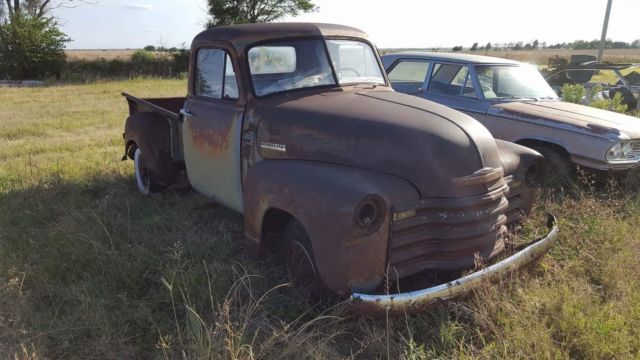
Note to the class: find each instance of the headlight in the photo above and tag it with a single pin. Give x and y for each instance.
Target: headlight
(624, 151)
(369, 213)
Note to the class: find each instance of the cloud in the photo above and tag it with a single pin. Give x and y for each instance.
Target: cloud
(148, 7)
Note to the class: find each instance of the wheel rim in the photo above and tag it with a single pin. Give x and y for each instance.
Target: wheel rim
(302, 272)
(142, 174)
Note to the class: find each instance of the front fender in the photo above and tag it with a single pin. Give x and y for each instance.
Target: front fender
(323, 198)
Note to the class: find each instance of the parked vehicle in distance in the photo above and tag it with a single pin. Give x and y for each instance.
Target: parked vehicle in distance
(516, 104)
(295, 126)
(604, 80)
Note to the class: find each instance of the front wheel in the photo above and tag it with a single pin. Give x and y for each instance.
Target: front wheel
(557, 169)
(301, 267)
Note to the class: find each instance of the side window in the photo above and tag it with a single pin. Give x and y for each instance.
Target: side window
(408, 76)
(214, 76)
(468, 90)
(451, 79)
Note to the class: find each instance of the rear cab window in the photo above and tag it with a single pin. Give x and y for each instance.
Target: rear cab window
(214, 75)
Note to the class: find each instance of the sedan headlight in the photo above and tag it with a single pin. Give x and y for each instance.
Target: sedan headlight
(624, 151)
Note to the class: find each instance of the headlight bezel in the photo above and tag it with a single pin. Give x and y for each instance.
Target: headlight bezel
(369, 213)
(623, 152)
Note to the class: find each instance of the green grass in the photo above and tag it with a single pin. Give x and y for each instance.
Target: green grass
(91, 269)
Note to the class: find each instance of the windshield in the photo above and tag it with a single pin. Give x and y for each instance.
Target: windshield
(297, 64)
(354, 62)
(502, 81)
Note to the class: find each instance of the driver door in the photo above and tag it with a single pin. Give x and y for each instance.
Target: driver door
(213, 115)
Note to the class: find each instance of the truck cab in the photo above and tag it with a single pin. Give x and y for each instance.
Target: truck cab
(295, 126)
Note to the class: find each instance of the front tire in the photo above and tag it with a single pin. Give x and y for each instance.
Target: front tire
(300, 262)
(557, 169)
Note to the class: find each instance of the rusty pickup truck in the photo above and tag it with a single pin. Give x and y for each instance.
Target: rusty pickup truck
(295, 126)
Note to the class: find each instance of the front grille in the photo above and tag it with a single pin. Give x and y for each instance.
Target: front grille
(635, 151)
(452, 233)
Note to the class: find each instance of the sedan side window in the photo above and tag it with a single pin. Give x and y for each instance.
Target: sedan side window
(408, 76)
(451, 79)
(214, 75)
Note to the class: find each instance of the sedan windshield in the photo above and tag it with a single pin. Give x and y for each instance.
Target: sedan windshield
(508, 82)
(298, 64)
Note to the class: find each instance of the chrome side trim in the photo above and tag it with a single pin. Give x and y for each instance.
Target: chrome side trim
(415, 300)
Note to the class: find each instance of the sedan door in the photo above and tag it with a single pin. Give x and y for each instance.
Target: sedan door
(453, 85)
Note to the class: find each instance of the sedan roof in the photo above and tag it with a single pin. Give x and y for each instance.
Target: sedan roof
(455, 57)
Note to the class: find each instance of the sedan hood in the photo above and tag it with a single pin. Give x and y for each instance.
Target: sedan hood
(568, 116)
(423, 142)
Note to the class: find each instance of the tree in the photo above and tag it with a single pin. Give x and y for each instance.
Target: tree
(474, 47)
(457, 48)
(488, 46)
(229, 12)
(31, 47)
(149, 48)
(535, 44)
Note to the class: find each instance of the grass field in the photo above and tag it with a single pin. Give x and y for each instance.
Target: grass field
(91, 269)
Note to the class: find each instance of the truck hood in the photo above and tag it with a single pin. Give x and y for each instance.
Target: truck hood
(423, 142)
(574, 117)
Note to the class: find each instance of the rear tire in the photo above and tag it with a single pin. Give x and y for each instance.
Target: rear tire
(143, 176)
(300, 262)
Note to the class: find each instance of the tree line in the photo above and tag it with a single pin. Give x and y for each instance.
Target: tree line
(32, 44)
(535, 44)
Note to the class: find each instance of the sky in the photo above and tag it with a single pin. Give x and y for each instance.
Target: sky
(121, 24)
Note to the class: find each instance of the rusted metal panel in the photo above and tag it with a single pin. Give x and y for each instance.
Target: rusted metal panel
(323, 198)
(211, 137)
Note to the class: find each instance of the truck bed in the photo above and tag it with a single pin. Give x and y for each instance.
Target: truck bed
(165, 106)
(167, 109)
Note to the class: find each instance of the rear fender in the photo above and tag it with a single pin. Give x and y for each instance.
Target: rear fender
(152, 134)
(323, 198)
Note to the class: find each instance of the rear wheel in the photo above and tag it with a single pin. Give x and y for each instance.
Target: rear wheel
(300, 263)
(143, 175)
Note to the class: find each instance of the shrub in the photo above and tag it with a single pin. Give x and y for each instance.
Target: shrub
(577, 94)
(613, 104)
(31, 48)
(142, 56)
(573, 93)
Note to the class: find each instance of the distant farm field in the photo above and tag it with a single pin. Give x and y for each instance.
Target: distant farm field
(91, 55)
(90, 269)
(533, 56)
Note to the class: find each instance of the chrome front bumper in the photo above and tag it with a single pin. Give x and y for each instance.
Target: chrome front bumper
(413, 301)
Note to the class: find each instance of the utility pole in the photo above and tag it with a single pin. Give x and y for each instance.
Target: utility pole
(603, 39)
